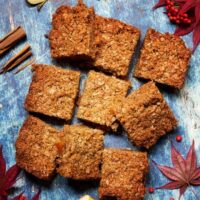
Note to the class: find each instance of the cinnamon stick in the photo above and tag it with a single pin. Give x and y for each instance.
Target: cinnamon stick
(17, 59)
(11, 39)
(28, 63)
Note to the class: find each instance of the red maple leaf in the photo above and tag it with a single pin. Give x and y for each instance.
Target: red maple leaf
(8, 178)
(160, 3)
(184, 171)
(22, 197)
(37, 195)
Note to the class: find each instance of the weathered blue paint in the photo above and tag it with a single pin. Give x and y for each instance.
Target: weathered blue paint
(13, 89)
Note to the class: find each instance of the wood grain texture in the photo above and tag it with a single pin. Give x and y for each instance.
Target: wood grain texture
(13, 89)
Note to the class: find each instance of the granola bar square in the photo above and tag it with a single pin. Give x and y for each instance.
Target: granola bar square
(36, 149)
(81, 156)
(115, 45)
(146, 116)
(72, 33)
(164, 58)
(101, 97)
(53, 91)
(123, 174)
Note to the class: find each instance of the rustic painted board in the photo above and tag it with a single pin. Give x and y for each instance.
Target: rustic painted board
(13, 89)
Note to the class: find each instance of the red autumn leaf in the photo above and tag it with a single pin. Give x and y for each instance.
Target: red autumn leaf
(2, 163)
(11, 176)
(184, 171)
(196, 36)
(182, 190)
(180, 1)
(196, 182)
(172, 174)
(37, 195)
(20, 197)
(8, 178)
(177, 160)
(161, 3)
(187, 6)
(197, 12)
(196, 173)
(172, 185)
(183, 30)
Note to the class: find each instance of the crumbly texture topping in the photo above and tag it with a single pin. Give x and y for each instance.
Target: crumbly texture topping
(53, 91)
(115, 45)
(164, 58)
(123, 174)
(72, 33)
(146, 116)
(36, 149)
(102, 96)
(82, 153)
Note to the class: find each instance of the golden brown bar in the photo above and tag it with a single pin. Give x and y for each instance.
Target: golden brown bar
(53, 91)
(164, 58)
(146, 116)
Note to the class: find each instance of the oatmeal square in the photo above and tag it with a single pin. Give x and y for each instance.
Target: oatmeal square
(36, 148)
(81, 156)
(123, 174)
(101, 97)
(53, 91)
(72, 33)
(146, 116)
(115, 45)
(164, 59)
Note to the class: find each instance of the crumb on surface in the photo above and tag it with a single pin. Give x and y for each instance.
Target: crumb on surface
(164, 58)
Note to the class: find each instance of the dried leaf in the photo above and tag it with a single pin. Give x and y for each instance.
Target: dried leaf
(184, 171)
(161, 3)
(39, 7)
(35, 2)
(86, 197)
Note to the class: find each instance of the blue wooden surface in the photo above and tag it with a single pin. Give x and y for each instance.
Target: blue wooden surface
(13, 89)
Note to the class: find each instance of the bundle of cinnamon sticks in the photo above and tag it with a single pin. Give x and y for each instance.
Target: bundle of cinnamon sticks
(8, 42)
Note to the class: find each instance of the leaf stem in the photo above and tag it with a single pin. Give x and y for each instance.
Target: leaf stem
(194, 193)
